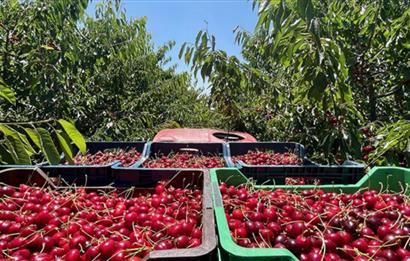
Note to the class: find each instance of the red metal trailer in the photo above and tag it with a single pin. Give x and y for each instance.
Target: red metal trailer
(201, 135)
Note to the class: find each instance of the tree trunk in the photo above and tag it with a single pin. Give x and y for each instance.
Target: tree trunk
(5, 56)
(372, 102)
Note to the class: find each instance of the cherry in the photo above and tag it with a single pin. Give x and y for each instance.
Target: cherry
(238, 214)
(73, 255)
(182, 242)
(164, 245)
(360, 244)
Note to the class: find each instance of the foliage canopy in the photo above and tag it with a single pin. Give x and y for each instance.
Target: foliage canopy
(102, 71)
(333, 75)
(321, 72)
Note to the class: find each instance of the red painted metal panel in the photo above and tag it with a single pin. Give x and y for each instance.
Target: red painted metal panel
(201, 135)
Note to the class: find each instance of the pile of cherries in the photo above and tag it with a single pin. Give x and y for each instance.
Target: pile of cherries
(127, 157)
(318, 225)
(302, 181)
(44, 224)
(255, 157)
(184, 160)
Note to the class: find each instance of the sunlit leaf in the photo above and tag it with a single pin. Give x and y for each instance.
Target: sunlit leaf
(74, 135)
(65, 146)
(6, 92)
(48, 147)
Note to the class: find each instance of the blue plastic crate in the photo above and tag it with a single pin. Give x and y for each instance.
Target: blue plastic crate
(348, 173)
(165, 148)
(241, 148)
(91, 175)
(325, 174)
(124, 176)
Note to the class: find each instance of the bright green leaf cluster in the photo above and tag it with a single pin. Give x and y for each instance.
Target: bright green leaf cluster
(16, 146)
(26, 143)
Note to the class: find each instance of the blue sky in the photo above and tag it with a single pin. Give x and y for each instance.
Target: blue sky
(181, 20)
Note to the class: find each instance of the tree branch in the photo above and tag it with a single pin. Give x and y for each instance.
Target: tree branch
(393, 91)
(28, 122)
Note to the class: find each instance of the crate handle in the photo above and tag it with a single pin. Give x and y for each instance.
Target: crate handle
(192, 150)
(227, 136)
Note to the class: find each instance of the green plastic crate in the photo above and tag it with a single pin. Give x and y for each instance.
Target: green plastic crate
(394, 179)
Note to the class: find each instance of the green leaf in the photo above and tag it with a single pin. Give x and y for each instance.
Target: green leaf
(261, 20)
(22, 156)
(48, 147)
(198, 36)
(204, 41)
(33, 136)
(318, 88)
(65, 145)
(5, 156)
(181, 51)
(346, 94)
(8, 131)
(74, 135)
(30, 150)
(10, 148)
(305, 9)
(342, 64)
(408, 146)
(17, 140)
(6, 92)
(188, 55)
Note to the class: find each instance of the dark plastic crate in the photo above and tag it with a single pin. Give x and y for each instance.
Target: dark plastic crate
(32, 176)
(165, 148)
(349, 172)
(241, 148)
(333, 174)
(179, 179)
(91, 175)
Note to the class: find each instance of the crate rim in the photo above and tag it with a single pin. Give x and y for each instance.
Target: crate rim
(358, 184)
(108, 165)
(353, 164)
(264, 143)
(230, 163)
(147, 154)
(7, 166)
(82, 166)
